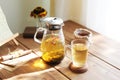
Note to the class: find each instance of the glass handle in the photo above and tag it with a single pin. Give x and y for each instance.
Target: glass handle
(35, 35)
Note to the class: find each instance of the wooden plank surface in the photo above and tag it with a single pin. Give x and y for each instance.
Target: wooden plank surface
(48, 74)
(97, 69)
(103, 60)
(38, 71)
(107, 50)
(4, 50)
(103, 47)
(98, 63)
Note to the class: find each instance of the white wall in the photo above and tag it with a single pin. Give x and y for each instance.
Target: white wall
(18, 12)
(102, 16)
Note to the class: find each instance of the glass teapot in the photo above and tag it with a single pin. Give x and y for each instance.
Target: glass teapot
(52, 43)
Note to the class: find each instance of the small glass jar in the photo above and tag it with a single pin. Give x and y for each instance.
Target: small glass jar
(83, 33)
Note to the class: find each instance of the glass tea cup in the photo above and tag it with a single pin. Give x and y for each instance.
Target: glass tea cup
(79, 52)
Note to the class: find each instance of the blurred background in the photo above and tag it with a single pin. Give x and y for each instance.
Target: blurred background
(102, 16)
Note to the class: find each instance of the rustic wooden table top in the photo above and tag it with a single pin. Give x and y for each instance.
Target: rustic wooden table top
(103, 60)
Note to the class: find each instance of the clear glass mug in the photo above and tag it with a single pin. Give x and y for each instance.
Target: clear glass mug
(79, 53)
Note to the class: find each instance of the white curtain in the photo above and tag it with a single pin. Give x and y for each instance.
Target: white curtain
(62, 9)
(102, 16)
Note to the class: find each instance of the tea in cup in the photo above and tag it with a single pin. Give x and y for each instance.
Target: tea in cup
(79, 52)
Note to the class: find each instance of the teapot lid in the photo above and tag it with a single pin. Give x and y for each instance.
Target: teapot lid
(54, 21)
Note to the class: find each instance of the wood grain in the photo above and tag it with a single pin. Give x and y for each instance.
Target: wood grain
(103, 47)
(96, 59)
(97, 69)
(103, 59)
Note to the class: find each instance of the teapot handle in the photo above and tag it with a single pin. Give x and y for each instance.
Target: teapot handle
(35, 35)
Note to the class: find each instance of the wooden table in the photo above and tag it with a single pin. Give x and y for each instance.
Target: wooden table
(103, 60)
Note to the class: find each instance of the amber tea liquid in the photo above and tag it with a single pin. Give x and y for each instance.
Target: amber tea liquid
(53, 49)
(79, 54)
